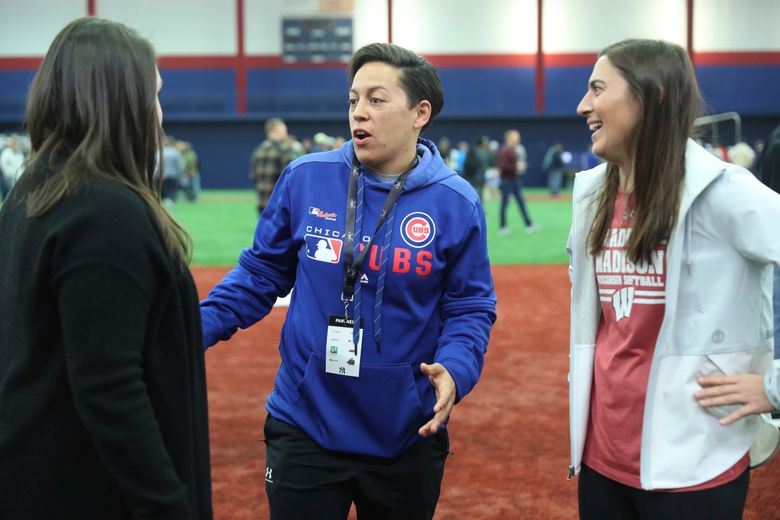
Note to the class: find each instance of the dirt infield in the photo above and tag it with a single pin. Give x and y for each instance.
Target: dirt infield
(509, 435)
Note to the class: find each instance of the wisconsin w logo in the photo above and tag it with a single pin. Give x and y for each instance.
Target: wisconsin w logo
(622, 301)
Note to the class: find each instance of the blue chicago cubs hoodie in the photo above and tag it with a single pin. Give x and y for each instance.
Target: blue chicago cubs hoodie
(438, 300)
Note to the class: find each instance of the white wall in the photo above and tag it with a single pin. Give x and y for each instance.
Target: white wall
(369, 23)
(27, 27)
(178, 27)
(729, 25)
(208, 27)
(571, 26)
(263, 27)
(466, 26)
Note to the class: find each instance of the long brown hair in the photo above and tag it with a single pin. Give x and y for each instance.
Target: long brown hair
(661, 78)
(91, 113)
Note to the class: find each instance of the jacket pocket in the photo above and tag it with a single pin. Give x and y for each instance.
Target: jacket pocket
(727, 363)
(375, 414)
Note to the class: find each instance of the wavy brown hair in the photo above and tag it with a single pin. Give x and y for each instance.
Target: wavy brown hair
(91, 113)
(661, 78)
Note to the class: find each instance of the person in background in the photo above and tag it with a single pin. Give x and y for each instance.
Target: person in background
(742, 154)
(476, 163)
(511, 170)
(460, 156)
(11, 166)
(392, 309)
(553, 166)
(103, 410)
(269, 160)
(447, 152)
(522, 156)
(172, 173)
(190, 181)
(670, 249)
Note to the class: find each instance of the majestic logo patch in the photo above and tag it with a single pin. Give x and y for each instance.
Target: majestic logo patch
(323, 249)
(317, 212)
(418, 229)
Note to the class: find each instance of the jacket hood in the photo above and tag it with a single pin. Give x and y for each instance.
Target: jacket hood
(429, 170)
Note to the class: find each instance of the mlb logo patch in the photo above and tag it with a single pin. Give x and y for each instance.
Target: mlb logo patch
(317, 212)
(323, 249)
(418, 229)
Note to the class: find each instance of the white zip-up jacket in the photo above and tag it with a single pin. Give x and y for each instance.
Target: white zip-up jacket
(717, 319)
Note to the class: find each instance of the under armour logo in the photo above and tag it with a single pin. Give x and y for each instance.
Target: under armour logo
(269, 475)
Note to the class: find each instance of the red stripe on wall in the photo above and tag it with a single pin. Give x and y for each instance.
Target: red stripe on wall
(737, 58)
(584, 59)
(539, 73)
(91, 9)
(482, 60)
(241, 96)
(276, 62)
(196, 62)
(389, 21)
(689, 28)
(770, 58)
(26, 63)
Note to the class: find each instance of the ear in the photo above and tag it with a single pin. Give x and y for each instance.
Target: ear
(422, 114)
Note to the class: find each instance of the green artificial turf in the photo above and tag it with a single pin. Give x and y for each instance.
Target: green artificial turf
(222, 223)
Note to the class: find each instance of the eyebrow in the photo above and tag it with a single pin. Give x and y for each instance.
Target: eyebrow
(596, 83)
(370, 90)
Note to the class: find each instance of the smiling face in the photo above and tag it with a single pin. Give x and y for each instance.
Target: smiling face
(612, 112)
(384, 128)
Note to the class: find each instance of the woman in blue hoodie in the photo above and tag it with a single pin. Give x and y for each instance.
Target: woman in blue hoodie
(393, 304)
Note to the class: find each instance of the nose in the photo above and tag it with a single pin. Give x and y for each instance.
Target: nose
(358, 111)
(585, 107)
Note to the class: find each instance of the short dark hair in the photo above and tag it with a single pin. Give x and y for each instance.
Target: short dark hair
(419, 78)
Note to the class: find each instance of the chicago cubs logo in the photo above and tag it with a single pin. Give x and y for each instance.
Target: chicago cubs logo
(418, 229)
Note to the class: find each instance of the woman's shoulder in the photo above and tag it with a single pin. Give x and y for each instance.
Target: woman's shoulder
(105, 206)
(106, 195)
(587, 182)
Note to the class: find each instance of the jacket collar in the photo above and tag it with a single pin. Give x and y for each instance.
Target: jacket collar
(701, 168)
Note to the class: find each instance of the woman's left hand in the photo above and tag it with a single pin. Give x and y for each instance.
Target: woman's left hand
(744, 389)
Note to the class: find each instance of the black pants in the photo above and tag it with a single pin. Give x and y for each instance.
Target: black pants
(304, 481)
(514, 188)
(601, 498)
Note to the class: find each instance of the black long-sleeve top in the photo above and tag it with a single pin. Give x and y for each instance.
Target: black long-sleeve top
(103, 410)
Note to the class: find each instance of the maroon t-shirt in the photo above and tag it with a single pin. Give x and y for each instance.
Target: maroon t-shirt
(507, 163)
(632, 304)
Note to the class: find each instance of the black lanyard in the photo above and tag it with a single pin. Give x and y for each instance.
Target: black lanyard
(352, 265)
